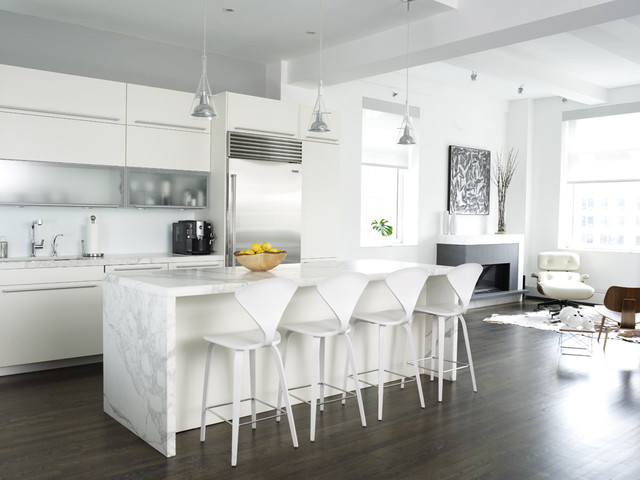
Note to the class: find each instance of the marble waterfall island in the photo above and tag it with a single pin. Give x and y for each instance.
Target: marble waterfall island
(154, 353)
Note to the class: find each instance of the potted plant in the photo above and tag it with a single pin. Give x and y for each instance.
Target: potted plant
(501, 176)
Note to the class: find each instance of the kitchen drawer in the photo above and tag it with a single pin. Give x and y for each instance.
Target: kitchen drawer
(50, 321)
(182, 266)
(135, 268)
(35, 276)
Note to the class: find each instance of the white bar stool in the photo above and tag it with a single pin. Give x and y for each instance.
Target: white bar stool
(265, 301)
(462, 279)
(406, 285)
(341, 293)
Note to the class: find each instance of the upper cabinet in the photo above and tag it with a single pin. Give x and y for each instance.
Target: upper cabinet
(263, 116)
(160, 132)
(332, 119)
(54, 117)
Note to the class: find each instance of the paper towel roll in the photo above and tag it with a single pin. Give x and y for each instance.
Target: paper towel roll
(92, 246)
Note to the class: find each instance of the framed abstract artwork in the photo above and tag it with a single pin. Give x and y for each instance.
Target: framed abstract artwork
(469, 180)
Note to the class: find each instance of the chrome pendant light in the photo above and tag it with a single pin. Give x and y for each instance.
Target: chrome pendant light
(317, 123)
(406, 129)
(202, 106)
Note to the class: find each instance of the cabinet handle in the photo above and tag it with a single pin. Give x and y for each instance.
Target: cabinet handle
(54, 112)
(329, 139)
(170, 125)
(200, 265)
(274, 132)
(136, 269)
(46, 289)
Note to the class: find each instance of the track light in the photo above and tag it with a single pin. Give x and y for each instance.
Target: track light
(521, 89)
(474, 76)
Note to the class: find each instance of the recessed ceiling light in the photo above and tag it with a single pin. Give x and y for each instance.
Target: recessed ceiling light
(310, 32)
(228, 10)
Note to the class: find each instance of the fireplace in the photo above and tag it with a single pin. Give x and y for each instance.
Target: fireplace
(499, 261)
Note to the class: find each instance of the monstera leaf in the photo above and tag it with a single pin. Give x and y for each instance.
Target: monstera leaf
(383, 227)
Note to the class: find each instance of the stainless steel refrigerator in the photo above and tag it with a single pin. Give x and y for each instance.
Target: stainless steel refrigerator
(264, 194)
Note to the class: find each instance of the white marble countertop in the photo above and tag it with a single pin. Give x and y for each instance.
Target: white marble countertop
(188, 282)
(108, 259)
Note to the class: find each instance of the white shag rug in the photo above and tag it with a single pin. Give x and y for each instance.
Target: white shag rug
(542, 321)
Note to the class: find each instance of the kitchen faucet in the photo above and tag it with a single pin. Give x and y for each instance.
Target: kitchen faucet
(54, 245)
(35, 246)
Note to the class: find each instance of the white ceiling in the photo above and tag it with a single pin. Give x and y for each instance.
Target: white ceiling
(576, 49)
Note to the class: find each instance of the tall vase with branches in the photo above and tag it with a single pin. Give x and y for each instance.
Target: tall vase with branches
(501, 176)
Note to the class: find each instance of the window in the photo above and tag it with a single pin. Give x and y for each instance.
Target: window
(389, 176)
(600, 204)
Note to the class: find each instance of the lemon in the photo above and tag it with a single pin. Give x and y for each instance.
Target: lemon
(274, 250)
(256, 246)
(266, 246)
(249, 252)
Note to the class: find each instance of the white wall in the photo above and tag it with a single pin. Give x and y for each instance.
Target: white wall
(121, 230)
(448, 116)
(605, 268)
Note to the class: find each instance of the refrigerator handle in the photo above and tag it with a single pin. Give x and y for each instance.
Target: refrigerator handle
(231, 220)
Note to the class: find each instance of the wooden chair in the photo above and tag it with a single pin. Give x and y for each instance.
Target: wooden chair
(622, 305)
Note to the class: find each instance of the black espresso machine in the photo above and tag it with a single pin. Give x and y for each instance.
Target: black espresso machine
(192, 237)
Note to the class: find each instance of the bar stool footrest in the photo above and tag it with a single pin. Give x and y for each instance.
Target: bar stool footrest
(393, 383)
(277, 414)
(345, 394)
(458, 365)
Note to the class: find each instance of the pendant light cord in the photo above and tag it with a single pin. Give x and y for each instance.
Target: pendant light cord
(407, 60)
(321, 25)
(204, 28)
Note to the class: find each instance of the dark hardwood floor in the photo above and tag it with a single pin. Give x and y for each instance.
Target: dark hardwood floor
(536, 415)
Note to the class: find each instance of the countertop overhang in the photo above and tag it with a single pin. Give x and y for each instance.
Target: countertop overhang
(189, 282)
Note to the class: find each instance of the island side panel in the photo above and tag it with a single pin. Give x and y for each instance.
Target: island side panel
(139, 362)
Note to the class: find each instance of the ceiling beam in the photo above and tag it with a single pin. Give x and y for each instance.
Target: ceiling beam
(476, 26)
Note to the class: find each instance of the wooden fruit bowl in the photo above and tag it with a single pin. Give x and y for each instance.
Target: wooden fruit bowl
(261, 262)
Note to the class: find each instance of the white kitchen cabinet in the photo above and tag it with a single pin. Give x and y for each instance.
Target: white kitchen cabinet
(168, 149)
(162, 108)
(262, 116)
(160, 132)
(332, 119)
(64, 140)
(52, 117)
(50, 314)
(55, 94)
(320, 203)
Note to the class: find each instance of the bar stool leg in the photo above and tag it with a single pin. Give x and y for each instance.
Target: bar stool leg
(440, 357)
(284, 390)
(381, 346)
(315, 369)
(285, 343)
(434, 338)
(346, 366)
(352, 362)
(321, 373)
(468, 345)
(203, 421)
(235, 411)
(416, 370)
(252, 379)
